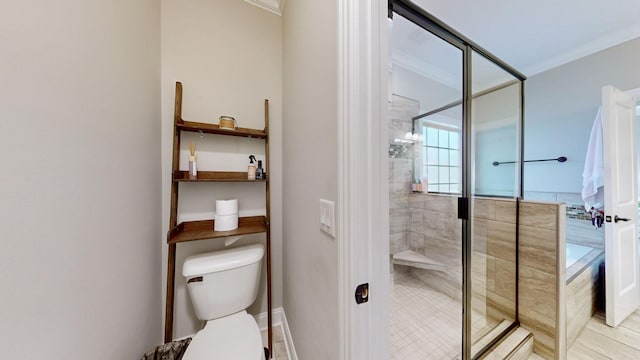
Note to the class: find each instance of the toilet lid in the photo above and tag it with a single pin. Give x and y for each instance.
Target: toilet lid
(231, 337)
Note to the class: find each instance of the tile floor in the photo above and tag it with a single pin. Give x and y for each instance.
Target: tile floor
(279, 347)
(427, 324)
(597, 341)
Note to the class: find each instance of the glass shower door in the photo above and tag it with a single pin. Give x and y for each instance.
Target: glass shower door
(495, 186)
(425, 140)
(453, 237)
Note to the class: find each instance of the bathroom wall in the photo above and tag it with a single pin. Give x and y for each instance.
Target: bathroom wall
(310, 87)
(495, 119)
(80, 149)
(542, 275)
(401, 110)
(435, 231)
(561, 105)
(541, 265)
(494, 231)
(228, 55)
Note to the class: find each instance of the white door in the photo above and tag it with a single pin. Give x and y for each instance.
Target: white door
(621, 205)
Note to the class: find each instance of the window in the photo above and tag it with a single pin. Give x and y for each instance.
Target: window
(441, 156)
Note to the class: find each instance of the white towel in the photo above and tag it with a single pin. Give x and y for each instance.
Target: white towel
(593, 174)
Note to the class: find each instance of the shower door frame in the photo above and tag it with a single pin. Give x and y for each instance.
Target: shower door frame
(430, 23)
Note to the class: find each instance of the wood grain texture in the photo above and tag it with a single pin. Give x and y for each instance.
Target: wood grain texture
(173, 216)
(599, 341)
(214, 176)
(203, 229)
(538, 248)
(207, 128)
(539, 215)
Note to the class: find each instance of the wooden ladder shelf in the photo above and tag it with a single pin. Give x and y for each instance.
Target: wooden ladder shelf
(203, 229)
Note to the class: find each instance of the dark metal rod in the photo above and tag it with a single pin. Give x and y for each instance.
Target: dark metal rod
(560, 159)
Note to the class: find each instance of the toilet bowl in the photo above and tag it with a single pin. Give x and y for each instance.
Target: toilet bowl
(222, 284)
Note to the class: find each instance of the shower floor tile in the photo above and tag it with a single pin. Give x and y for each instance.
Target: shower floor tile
(425, 324)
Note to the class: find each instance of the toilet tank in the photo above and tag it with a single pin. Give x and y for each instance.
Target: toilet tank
(223, 282)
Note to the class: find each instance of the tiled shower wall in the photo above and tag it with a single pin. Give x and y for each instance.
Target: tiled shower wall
(435, 232)
(428, 224)
(542, 276)
(401, 111)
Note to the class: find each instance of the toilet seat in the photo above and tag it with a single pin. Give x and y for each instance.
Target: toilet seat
(231, 337)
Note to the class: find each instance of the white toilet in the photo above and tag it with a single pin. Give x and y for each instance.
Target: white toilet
(222, 284)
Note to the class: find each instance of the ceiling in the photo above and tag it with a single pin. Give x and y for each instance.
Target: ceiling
(534, 36)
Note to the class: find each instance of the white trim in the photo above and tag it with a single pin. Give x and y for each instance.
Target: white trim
(279, 318)
(404, 59)
(591, 47)
(274, 6)
(363, 217)
(635, 93)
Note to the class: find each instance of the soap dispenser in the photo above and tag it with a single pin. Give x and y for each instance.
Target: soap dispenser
(260, 175)
(251, 170)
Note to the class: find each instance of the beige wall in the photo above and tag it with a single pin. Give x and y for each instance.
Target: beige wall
(80, 209)
(228, 55)
(310, 173)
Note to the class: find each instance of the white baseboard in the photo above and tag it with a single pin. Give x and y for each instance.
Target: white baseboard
(279, 318)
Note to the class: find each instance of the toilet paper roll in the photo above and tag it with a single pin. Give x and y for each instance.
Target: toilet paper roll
(227, 207)
(225, 222)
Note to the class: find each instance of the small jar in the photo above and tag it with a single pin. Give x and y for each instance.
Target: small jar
(227, 123)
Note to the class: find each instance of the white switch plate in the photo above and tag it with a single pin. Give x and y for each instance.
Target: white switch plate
(328, 217)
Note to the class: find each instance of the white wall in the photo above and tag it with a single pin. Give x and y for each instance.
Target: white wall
(560, 106)
(80, 209)
(429, 93)
(228, 55)
(310, 173)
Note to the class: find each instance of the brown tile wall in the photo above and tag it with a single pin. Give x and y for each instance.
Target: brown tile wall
(436, 232)
(493, 243)
(541, 264)
(401, 110)
(581, 300)
(542, 276)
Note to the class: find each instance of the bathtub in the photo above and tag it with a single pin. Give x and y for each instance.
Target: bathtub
(576, 252)
(579, 257)
(581, 289)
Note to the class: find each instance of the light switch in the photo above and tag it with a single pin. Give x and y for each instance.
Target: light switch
(327, 217)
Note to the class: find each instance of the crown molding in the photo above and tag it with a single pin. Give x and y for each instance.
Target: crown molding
(274, 6)
(410, 62)
(592, 47)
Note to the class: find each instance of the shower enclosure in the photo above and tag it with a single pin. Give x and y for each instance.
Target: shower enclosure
(454, 110)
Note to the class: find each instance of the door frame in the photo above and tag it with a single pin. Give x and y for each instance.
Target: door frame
(362, 219)
(363, 198)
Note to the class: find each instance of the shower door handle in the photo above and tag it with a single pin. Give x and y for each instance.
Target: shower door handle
(616, 219)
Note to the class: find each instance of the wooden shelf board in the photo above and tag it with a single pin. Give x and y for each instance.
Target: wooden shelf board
(215, 129)
(213, 176)
(203, 229)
